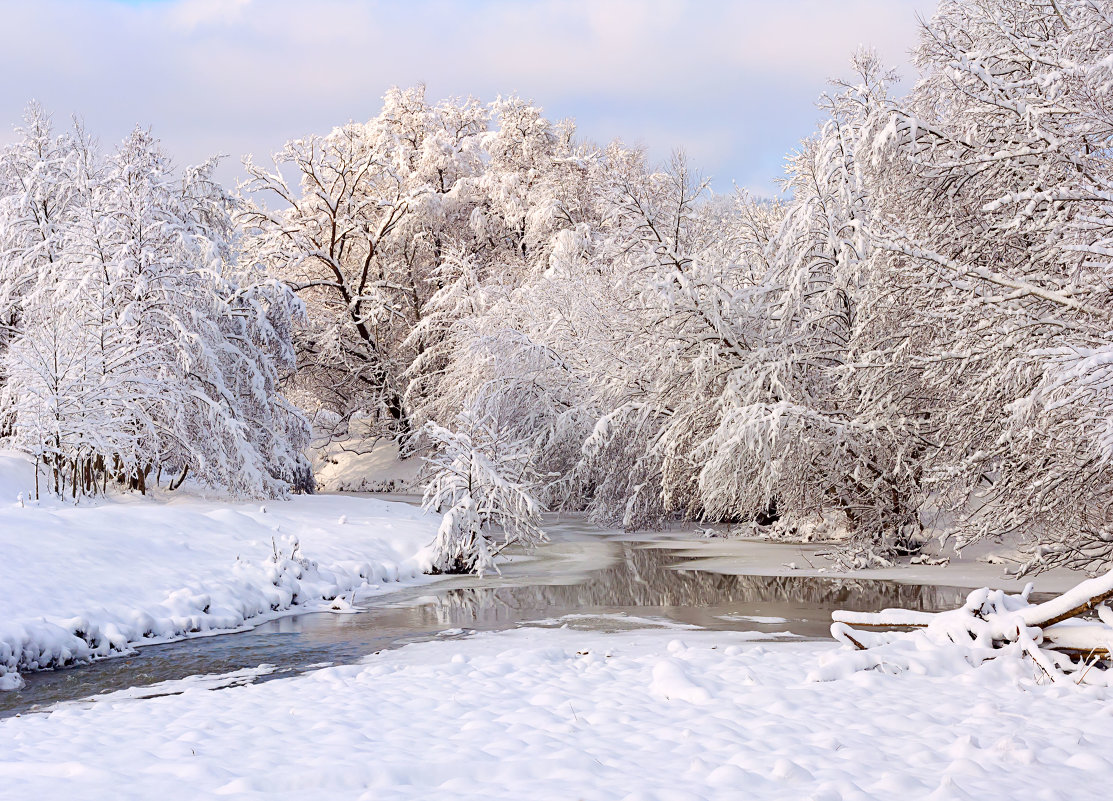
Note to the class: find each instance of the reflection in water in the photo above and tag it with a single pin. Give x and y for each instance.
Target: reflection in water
(638, 581)
(643, 582)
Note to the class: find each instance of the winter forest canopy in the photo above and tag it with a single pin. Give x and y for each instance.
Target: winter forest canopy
(917, 337)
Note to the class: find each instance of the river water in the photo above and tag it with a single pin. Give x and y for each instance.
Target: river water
(583, 578)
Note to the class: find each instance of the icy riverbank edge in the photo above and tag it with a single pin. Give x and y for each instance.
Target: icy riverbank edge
(80, 582)
(981, 565)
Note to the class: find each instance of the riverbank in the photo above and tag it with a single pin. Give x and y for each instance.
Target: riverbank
(99, 578)
(94, 579)
(572, 714)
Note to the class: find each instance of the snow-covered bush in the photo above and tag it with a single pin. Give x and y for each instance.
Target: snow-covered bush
(478, 479)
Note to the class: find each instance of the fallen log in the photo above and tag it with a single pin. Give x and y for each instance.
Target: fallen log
(1084, 598)
(885, 619)
(991, 621)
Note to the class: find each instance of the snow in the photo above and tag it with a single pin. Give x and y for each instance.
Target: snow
(208, 681)
(572, 714)
(78, 582)
(886, 617)
(351, 467)
(763, 620)
(648, 709)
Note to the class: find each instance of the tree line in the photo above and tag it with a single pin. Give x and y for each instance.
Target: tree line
(915, 339)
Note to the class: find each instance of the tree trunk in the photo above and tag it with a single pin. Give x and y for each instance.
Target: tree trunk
(173, 485)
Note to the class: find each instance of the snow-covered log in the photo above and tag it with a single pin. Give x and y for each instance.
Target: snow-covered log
(1055, 635)
(1086, 597)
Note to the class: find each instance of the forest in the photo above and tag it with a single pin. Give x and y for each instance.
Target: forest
(914, 340)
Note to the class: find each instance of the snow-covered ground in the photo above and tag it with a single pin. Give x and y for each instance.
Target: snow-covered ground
(355, 466)
(94, 579)
(571, 714)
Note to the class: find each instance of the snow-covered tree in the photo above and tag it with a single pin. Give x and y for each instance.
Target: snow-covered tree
(36, 196)
(539, 344)
(992, 184)
(799, 433)
(917, 335)
(359, 237)
(137, 344)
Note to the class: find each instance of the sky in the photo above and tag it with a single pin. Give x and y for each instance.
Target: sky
(731, 82)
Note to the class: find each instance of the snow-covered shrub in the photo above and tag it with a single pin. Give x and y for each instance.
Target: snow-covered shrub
(479, 479)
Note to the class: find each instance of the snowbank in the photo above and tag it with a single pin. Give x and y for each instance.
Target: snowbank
(78, 582)
(348, 467)
(568, 714)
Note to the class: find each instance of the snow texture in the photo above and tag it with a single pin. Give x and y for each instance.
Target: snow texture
(567, 714)
(346, 467)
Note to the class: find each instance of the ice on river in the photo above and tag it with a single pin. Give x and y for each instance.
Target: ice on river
(573, 714)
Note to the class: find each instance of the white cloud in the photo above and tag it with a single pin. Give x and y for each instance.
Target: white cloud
(732, 81)
(192, 14)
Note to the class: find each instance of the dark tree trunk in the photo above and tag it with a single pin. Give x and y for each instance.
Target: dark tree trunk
(174, 484)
